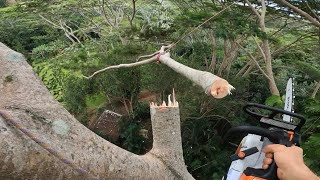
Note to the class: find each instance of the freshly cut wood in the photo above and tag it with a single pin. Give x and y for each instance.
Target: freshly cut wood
(210, 83)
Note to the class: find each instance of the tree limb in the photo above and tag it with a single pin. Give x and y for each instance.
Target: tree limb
(133, 14)
(256, 62)
(316, 89)
(253, 9)
(260, 49)
(300, 12)
(263, 10)
(147, 61)
(105, 15)
(26, 99)
(312, 11)
(212, 85)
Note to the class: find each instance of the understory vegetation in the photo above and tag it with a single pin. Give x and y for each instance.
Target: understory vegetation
(65, 40)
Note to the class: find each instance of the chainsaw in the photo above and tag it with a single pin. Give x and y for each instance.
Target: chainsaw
(248, 160)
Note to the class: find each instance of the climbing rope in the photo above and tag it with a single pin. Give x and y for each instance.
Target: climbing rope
(44, 145)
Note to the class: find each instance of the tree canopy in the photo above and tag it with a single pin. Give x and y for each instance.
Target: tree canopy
(255, 45)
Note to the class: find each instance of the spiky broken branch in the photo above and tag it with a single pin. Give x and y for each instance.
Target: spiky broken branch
(212, 84)
(167, 142)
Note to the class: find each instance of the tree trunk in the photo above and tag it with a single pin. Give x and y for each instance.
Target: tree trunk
(265, 47)
(316, 89)
(266, 50)
(25, 99)
(213, 62)
(233, 55)
(272, 83)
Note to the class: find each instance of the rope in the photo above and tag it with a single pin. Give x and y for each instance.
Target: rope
(193, 30)
(43, 144)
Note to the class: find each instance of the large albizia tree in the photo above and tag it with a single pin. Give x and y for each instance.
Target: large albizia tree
(39, 139)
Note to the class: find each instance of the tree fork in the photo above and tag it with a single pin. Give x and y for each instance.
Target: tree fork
(24, 98)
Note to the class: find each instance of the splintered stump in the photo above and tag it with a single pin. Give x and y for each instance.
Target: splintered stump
(167, 143)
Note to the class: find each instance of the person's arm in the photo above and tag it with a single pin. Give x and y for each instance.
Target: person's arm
(289, 161)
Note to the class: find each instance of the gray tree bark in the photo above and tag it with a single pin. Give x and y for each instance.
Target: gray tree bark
(265, 47)
(316, 89)
(24, 98)
(11, 2)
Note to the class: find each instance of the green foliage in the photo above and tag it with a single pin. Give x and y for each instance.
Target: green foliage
(53, 77)
(274, 101)
(95, 101)
(59, 61)
(309, 69)
(49, 50)
(311, 133)
(124, 83)
(312, 107)
(130, 137)
(22, 31)
(74, 92)
(312, 152)
(205, 158)
(2, 3)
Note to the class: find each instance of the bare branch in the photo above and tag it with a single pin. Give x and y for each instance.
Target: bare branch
(105, 15)
(316, 90)
(147, 61)
(264, 10)
(243, 69)
(63, 26)
(280, 50)
(301, 12)
(50, 22)
(213, 62)
(69, 31)
(253, 9)
(260, 49)
(133, 14)
(312, 11)
(147, 56)
(212, 84)
(256, 62)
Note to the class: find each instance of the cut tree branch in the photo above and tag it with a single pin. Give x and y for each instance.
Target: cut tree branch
(212, 84)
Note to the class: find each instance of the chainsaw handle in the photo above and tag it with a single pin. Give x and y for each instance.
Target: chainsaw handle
(252, 130)
(270, 173)
(275, 111)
